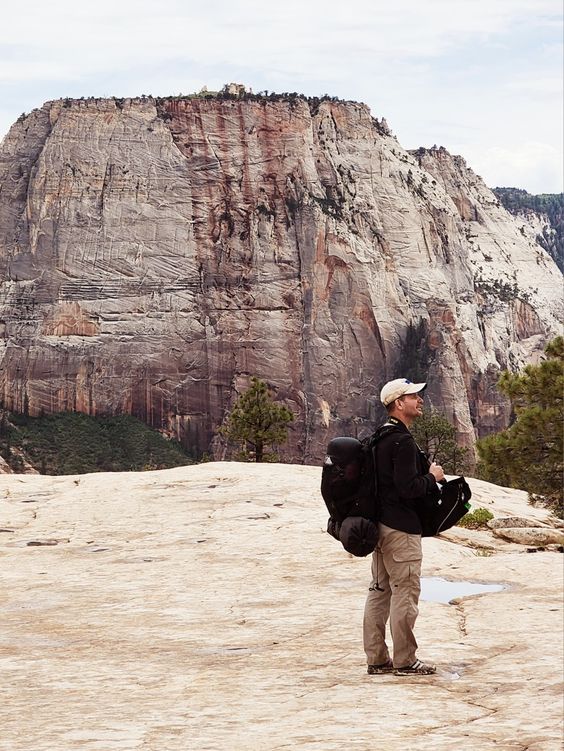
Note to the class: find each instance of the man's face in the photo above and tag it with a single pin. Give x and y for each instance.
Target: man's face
(412, 405)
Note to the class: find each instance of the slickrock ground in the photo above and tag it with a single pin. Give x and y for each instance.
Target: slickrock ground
(205, 608)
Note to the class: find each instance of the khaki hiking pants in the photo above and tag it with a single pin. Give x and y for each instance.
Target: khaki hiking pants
(396, 570)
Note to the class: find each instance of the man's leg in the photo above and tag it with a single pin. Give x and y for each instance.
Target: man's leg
(402, 557)
(376, 613)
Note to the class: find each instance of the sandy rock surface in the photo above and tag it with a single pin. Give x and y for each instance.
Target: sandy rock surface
(205, 608)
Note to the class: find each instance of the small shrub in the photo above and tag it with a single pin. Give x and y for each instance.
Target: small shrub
(483, 552)
(476, 519)
(17, 464)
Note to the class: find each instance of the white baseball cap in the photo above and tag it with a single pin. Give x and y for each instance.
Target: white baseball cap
(400, 386)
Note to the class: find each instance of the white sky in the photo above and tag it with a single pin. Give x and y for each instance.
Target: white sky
(484, 78)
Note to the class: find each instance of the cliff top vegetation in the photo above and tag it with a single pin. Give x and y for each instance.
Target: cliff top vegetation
(518, 202)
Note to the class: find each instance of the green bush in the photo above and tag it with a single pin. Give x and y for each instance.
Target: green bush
(476, 519)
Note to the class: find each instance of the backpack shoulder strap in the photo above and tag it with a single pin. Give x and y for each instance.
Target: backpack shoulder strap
(382, 431)
(370, 445)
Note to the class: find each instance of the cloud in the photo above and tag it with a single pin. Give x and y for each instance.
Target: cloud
(16, 72)
(536, 167)
(289, 34)
(533, 86)
(416, 63)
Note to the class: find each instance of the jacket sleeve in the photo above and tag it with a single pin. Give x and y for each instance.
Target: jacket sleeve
(408, 479)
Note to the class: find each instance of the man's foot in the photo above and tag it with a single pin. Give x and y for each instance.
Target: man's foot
(418, 668)
(385, 667)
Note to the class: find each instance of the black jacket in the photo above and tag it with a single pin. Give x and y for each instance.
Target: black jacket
(404, 480)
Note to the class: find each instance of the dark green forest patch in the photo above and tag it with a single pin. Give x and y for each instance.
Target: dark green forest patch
(71, 443)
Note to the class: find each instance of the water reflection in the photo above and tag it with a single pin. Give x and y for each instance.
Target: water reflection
(435, 589)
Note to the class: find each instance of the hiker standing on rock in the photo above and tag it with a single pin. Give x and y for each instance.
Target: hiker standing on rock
(405, 479)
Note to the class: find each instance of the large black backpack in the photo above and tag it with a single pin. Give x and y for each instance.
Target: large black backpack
(349, 489)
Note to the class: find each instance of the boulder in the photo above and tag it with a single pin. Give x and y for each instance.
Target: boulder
(531, 535)
(512, 521)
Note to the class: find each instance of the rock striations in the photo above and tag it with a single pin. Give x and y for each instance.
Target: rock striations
(156, 253)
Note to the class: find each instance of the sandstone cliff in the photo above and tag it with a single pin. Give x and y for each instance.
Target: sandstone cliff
(542, 216)
(156, 253)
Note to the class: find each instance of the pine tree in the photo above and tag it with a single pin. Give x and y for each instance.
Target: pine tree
(528, 455)
(257, 420)
(437, 437)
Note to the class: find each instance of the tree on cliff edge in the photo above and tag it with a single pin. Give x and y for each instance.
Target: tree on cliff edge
(528, 455)
(437, 437)
(256, 420)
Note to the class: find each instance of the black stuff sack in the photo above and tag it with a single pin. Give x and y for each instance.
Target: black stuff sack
(341, 476)
(442, 510)
(358, 535)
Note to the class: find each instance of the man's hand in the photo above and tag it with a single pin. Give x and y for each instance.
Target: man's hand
(437, 471)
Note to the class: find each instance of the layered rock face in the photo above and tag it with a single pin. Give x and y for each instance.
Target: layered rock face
(154, 254)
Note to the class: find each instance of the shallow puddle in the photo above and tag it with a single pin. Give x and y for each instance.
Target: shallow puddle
(435, 589)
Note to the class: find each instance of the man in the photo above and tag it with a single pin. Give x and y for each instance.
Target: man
(405, 478)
